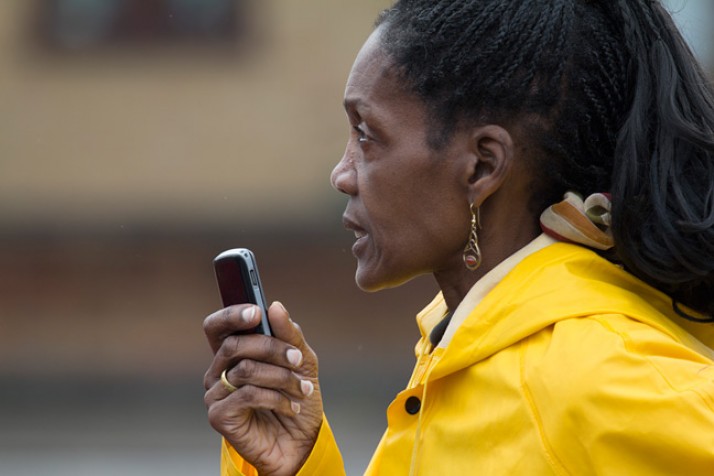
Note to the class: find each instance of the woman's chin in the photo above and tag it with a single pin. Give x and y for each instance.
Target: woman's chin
(366, 281)
(370, 281)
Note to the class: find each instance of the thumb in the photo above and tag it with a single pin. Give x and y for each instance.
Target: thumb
(288, 331)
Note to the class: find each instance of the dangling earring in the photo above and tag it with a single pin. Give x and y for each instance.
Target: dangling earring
(472, 253)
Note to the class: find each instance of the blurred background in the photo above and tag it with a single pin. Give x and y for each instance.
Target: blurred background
(138, 139)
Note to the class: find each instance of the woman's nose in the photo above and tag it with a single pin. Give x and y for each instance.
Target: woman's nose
(343, 176)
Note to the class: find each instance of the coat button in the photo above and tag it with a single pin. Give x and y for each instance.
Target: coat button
(412, 405)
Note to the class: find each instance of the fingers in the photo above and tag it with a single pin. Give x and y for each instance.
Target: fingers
(271, 394)
(259, 374)
(255, 364)
(283, 327)
(233, 407)
(231, 320)
(236, 349)
(287, 330)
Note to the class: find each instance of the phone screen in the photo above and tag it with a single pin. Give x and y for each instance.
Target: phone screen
(239, 283)
(235, 291)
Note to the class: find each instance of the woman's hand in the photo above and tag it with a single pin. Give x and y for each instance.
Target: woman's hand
(274, 416)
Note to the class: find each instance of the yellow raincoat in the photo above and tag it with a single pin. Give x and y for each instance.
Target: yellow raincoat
(556, 362)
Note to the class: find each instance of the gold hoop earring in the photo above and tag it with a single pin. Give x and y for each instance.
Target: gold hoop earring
(472, 253)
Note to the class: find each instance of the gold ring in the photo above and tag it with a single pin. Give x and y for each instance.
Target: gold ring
(229, 386)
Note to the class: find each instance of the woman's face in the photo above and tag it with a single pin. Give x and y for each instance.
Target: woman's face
(408, 204)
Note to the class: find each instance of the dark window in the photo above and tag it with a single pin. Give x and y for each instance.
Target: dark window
(90, 25)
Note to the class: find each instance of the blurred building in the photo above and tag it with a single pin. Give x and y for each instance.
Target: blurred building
(138, 139)
(113, 116)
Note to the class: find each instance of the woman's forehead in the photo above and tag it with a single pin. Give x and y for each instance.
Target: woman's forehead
(370, 65)
(373, 79)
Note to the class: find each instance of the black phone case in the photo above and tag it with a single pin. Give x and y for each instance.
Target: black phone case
(239, 283)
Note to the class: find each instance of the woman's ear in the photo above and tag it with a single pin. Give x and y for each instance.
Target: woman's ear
(493, 151)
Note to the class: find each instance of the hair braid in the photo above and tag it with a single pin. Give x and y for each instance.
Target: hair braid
(531, 30)
(464, 40)
(469, 35)
(555, 32)
(441, 17)
(494, 28)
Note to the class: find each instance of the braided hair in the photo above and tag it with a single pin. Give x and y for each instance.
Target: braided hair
(611, 98)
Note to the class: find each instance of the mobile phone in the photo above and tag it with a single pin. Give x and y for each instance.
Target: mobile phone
(239, 283)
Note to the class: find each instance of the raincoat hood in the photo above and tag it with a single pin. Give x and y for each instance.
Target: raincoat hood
(560, 282)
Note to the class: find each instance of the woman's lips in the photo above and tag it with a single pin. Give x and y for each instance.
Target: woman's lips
(359, 244)
(360, 234)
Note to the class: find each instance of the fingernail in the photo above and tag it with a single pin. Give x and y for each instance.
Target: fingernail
(281, 306)
(307, 387)
(248, 314)
(295, 406)
(294, 357)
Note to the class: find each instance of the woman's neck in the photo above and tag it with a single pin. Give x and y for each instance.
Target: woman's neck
(456, 282)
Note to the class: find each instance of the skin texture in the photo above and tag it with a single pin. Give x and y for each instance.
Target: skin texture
(409, 208)
(274, 417)
(409, 204)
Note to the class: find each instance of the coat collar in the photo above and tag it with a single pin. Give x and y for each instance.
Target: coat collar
(539, 288)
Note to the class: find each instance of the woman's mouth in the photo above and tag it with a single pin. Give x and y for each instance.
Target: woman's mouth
(360, 234)
(360, 243)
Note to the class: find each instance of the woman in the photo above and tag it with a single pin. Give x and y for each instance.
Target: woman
(552, 353)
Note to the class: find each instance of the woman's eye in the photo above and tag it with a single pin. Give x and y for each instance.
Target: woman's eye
(361, 136)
